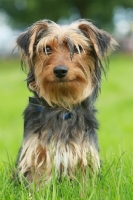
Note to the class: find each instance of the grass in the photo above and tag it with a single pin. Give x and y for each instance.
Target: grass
(115, 113)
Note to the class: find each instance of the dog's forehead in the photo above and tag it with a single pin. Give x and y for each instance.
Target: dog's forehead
(63, 32)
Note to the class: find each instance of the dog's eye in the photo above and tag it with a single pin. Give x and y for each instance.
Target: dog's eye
(77, 49)
(47, 50)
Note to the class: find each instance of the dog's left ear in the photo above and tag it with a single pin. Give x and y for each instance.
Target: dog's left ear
(102, 41)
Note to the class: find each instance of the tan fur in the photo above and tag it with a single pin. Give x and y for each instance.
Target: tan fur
(38, 157)
(76, 86)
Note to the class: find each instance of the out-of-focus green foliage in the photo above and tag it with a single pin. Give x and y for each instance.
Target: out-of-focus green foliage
(25, 12)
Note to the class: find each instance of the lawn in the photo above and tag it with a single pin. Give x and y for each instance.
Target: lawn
(115, 114)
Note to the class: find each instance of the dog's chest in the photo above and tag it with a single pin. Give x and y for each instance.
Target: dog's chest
(65, 148)
(62, 142)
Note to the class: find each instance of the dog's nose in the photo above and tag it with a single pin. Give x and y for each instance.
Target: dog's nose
(60, 71)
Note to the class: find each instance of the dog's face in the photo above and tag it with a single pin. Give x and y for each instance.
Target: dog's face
(64, 61)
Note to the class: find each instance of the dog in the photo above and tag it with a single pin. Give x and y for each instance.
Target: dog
(64, 74)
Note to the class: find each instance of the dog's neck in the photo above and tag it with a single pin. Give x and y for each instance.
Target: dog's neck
(60, 120)
(41, 103)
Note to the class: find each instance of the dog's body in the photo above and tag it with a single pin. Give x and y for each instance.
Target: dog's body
(64, 75)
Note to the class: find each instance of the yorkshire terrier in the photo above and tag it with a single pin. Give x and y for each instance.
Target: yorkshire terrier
(64, 75)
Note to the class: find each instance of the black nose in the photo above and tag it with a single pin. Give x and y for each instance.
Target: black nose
(60, 71)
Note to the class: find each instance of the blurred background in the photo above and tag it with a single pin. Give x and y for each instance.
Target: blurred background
(115, 103)
(115, 16)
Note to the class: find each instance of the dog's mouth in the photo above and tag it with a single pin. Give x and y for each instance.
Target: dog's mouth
(74, 79)
(62, 81)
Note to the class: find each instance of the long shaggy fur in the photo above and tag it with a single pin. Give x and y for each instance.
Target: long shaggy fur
(59, 123)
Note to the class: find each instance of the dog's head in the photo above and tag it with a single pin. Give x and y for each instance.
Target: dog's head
(64, 61)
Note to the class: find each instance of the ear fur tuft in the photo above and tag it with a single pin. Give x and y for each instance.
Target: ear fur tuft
(23, 41)
(102, 41)
(27, 40)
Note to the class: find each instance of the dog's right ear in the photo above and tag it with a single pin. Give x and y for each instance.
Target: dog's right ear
(23, 41)
(28, 40)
